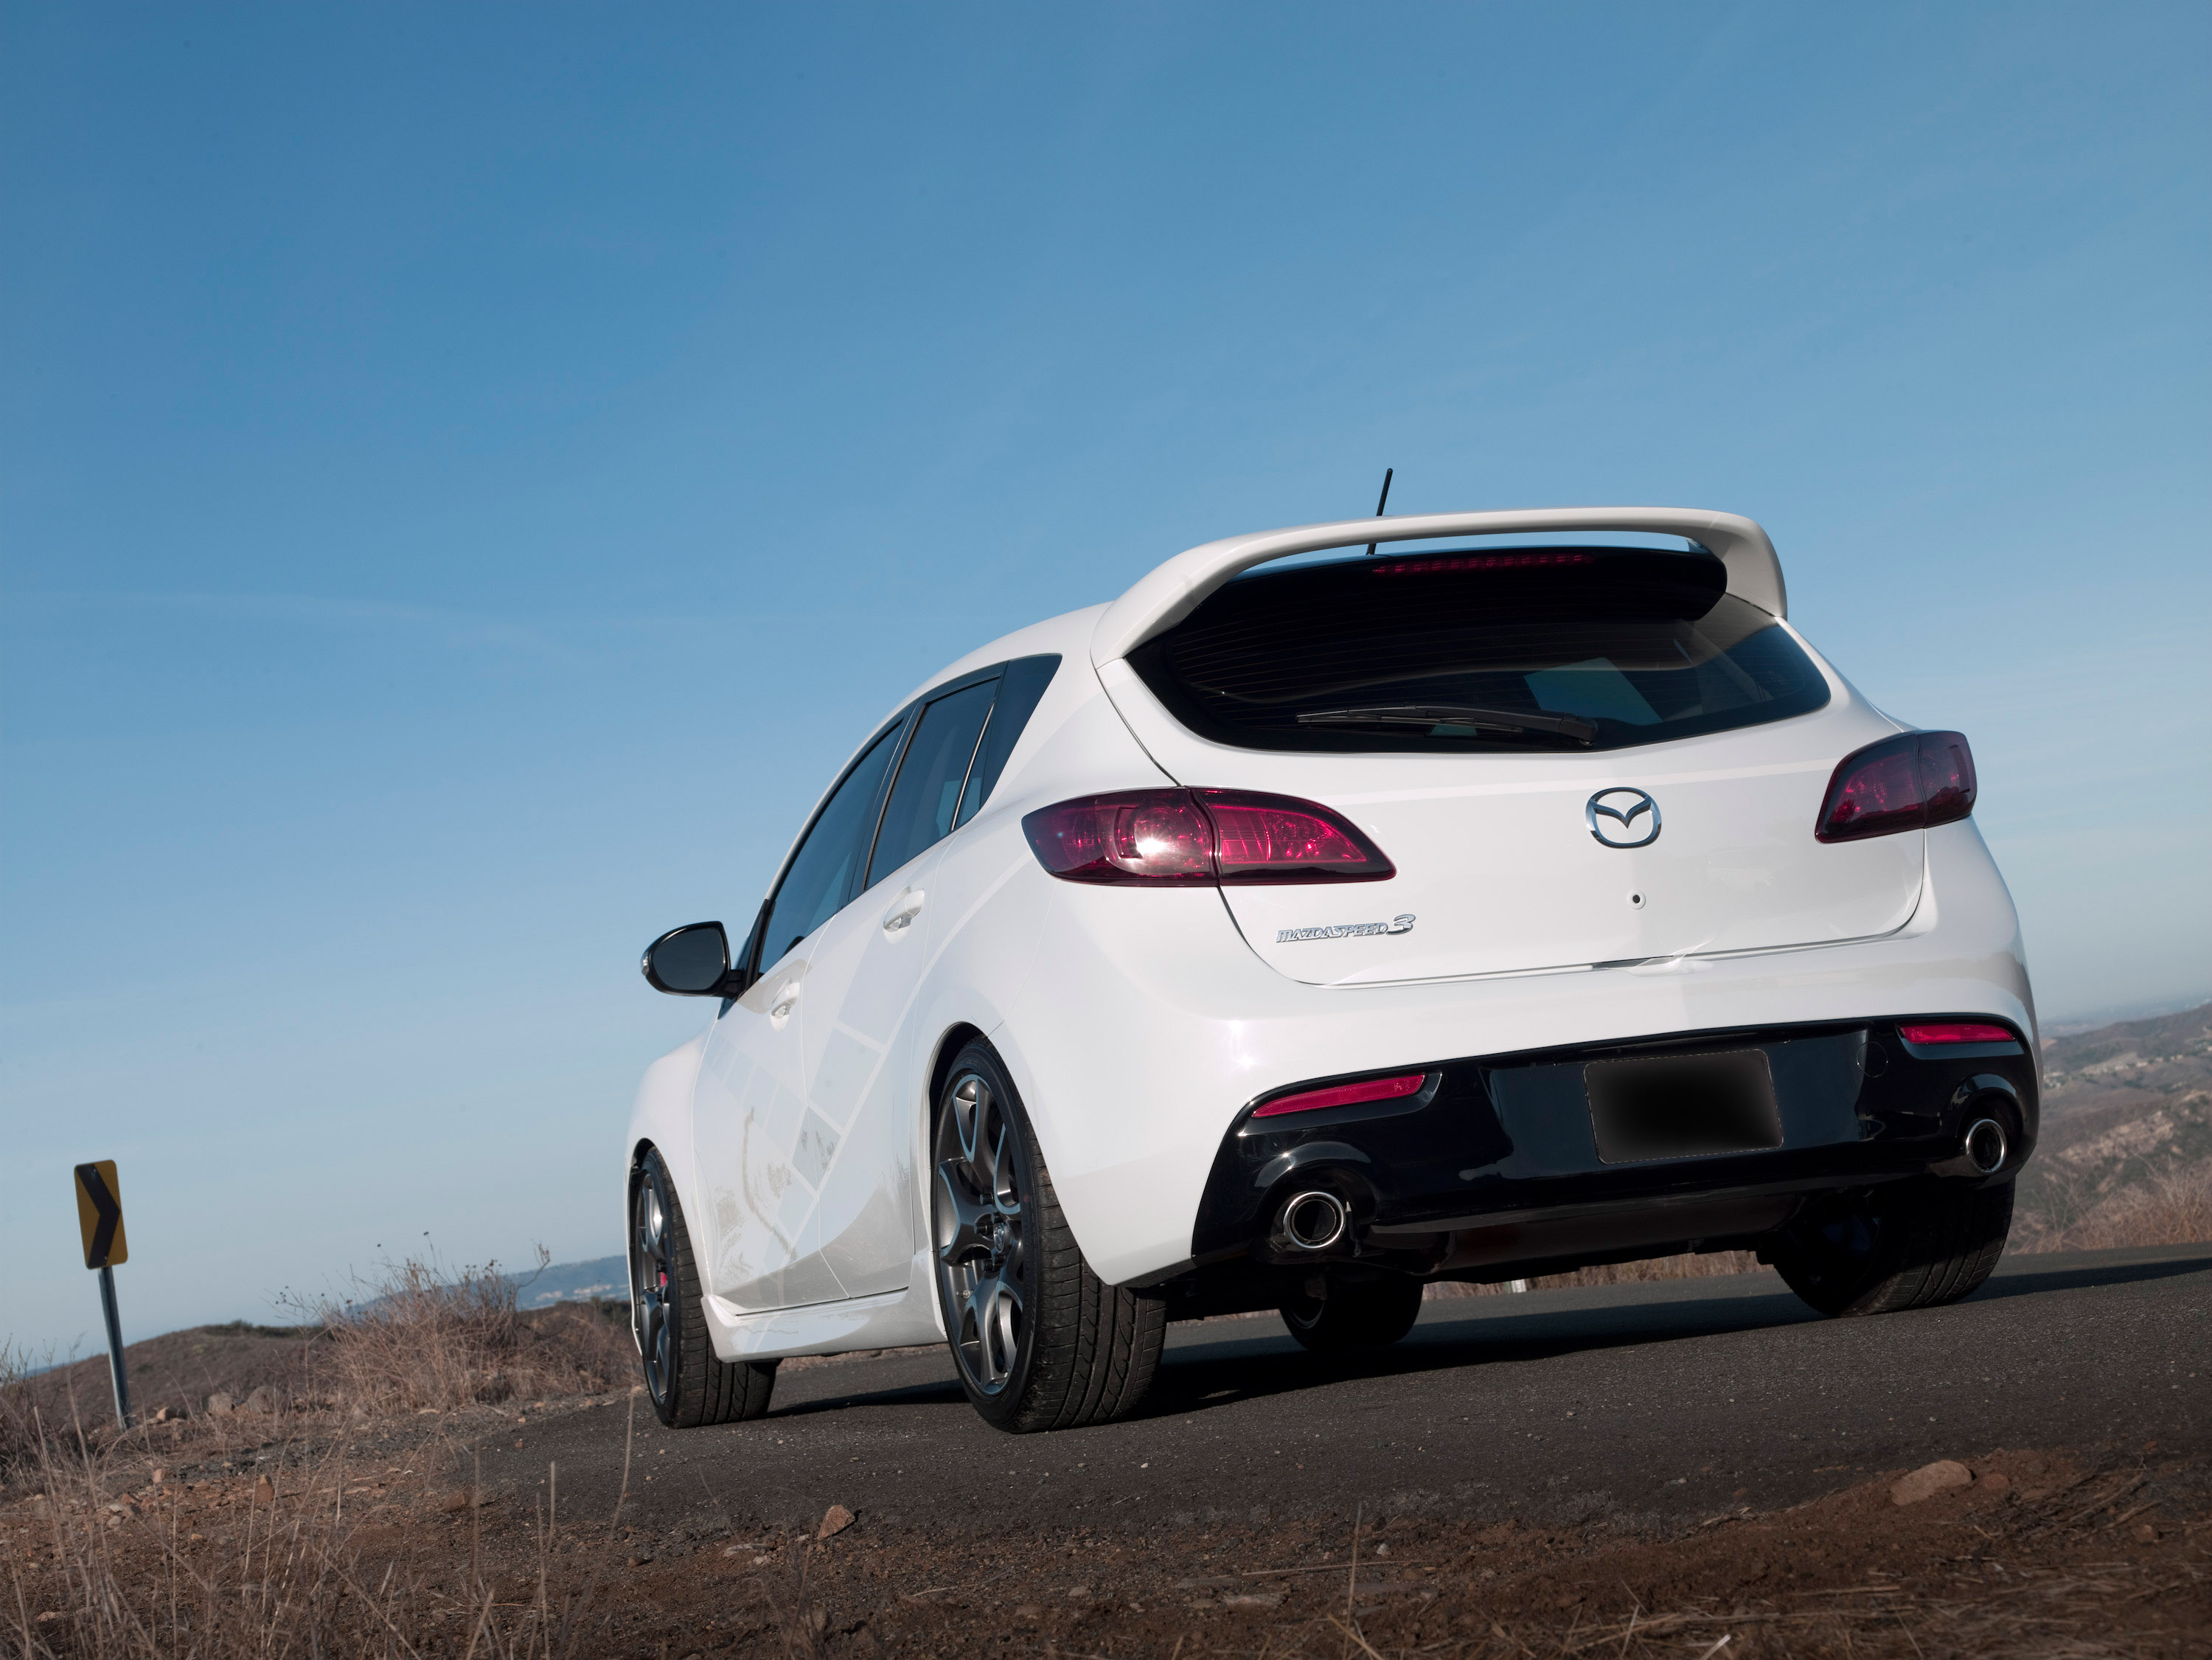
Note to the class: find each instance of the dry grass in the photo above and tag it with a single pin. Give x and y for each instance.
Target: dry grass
(416, 1338)
(1698, 1266)
(111, 1572)
(419, 1336)
(107, 1567)
(19, 1415)
(2172, 1208)
(316, 1564)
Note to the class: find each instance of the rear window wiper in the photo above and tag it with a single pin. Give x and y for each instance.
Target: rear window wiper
(1451, 714)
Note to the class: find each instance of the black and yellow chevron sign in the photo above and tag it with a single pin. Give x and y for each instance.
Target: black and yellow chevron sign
(100, 1213)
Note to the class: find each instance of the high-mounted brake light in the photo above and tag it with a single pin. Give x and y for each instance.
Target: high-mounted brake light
(1914, 781)
(1955, 1032)
(1345, 1095)
(1479, 561)
(1202, 837)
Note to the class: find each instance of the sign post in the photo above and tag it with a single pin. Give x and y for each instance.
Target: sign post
(100, 1215)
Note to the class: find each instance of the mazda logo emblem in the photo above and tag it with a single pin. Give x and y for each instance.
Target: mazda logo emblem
(1612, 816)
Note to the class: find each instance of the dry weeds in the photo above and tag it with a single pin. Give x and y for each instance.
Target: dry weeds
(109, 1561)
(418, 1335)
(1700, 1266)
(337, 1555)
(2169, 1207)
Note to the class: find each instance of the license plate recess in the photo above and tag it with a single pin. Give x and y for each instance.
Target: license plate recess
(1682, 1106)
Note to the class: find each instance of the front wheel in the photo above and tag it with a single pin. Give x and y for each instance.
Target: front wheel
(1331, 1317)
(1041, 1343)
(1911, 1244)
(687, 1384)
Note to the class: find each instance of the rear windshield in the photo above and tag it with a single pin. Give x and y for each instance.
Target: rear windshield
(1533, 649)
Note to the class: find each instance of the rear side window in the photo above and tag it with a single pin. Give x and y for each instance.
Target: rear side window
(920, 812)
(1021, 684)
(1533, 649)
(820, 872)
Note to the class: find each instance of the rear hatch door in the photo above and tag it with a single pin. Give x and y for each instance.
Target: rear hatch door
(1569, 764)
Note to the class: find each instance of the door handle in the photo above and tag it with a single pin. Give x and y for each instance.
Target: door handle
(903, 910)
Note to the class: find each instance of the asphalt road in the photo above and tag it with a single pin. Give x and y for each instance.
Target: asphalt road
(1649, 1401)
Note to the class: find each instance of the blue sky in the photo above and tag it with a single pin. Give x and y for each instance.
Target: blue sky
(471, 473)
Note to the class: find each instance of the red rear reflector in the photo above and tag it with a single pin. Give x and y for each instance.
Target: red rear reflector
(1914, 781)
(1345, 1095)
(1956, 1032)
(1202, 837)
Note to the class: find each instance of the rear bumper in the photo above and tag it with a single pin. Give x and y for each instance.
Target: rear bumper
(1494, 1170)
(1144, 1028)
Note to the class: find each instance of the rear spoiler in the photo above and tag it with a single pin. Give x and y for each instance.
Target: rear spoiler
(1173, 589)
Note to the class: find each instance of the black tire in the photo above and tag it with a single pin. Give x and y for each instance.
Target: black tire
(1914, 1245)
(1040, 1342)
(1337, 1316)
(687, 1385)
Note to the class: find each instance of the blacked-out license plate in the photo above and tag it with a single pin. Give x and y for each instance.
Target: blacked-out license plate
(1682, 1106)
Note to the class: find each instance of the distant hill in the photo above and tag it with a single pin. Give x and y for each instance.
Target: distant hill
(575, 1282)
(2126, 1107)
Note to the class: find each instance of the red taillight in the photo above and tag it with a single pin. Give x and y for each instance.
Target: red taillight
(1912, 782)
(1200, 836)
(1345, 1095)
(1144, 836)
(1276, 838)
(1956, 1031)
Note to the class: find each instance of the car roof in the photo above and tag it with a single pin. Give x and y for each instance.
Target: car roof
(1067, 634)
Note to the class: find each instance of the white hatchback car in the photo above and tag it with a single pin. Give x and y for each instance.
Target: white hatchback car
(1287, 935)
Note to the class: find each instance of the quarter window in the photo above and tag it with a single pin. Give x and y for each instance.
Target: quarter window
(1021, 684)
(920, 812)
(959, 747)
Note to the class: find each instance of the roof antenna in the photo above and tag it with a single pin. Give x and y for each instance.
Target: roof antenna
(1380, 502)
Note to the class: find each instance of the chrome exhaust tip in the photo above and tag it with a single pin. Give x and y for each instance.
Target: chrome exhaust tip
(1985, 1146)
(1314, 1221)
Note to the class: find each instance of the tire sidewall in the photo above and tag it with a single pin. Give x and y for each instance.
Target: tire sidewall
(652, 1171)
(1923, 1232)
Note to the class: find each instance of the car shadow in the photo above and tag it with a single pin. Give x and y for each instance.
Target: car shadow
(1263, 1361)
(1202, 1376)
(943, 1392)
(2029, 1283)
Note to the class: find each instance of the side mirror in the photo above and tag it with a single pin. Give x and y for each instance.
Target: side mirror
(691, 961)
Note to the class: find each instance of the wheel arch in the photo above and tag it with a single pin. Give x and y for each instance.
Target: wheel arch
(660, 1121)
(950, 1042)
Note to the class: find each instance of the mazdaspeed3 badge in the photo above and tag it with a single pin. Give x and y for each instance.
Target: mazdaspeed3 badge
(1346, 930)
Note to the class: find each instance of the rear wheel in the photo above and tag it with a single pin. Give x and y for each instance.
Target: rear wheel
(1332, 1316)
(687, 1384)
(1912, 1245)
(1040, 1342)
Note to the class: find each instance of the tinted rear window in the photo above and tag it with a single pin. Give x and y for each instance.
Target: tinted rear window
(1601, 648)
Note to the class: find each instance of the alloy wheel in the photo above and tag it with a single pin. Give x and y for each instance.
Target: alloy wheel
(981, 1260)
(652, 1281)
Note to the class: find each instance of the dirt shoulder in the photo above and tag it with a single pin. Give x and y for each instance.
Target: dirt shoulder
(375, 1539)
